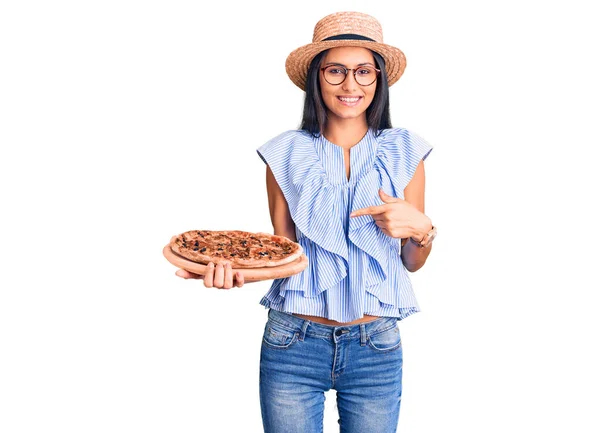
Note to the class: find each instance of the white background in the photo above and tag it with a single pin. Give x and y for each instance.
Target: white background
(125, 122)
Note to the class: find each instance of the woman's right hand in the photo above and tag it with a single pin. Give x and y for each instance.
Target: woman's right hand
(219, 276)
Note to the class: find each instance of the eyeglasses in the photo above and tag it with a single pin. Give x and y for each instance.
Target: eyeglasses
(336, 74)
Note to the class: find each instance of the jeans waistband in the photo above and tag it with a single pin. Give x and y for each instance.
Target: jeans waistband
(304, 326)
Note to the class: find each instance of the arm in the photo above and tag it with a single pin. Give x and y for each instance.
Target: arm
(414, 257)
(283, 225)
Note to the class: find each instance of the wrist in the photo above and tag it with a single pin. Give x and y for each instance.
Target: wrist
(425, 241)
(420, 230)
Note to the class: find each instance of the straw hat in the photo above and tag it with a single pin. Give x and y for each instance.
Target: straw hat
(343, 29)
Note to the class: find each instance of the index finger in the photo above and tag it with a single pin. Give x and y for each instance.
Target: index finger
(371, 210)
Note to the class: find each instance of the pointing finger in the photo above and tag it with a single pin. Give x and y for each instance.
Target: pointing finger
(371, 210)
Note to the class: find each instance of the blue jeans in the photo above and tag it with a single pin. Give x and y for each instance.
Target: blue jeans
(300, 360)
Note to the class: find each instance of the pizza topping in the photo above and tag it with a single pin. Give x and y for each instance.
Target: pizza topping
(241, 249)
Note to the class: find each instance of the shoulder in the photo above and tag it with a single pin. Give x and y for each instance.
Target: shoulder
(289, 136)
(398, 135)
(281, 148)
(405, 141)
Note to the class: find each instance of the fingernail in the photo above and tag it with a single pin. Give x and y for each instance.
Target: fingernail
(211, 265)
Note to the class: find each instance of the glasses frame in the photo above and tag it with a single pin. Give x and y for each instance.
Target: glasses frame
(377, 72)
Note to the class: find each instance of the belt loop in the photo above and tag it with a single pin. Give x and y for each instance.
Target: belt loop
(303, 331)
(363, 334)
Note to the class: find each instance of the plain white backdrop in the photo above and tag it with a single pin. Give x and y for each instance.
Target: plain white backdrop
(125, 122)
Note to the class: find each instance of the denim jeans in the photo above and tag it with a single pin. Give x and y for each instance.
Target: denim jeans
(300, 360)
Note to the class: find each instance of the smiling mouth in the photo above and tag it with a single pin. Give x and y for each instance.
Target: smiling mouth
(349, 100)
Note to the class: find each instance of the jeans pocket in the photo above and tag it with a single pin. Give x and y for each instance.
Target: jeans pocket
(279, 337)
(386, 340)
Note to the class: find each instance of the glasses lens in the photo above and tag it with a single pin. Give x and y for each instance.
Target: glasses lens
(365, 75)
(334, 74)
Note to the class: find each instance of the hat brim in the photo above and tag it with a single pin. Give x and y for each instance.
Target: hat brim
(299, 60)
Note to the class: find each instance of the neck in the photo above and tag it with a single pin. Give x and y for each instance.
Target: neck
(346, 132)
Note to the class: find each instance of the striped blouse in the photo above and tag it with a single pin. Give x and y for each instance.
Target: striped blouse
(354, 268)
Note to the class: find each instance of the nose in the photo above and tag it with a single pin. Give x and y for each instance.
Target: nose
(349, 82)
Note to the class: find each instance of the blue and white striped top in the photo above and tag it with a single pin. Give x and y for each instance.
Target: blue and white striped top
(354, 268)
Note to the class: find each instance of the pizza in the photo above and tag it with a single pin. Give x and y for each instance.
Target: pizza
(241, 249)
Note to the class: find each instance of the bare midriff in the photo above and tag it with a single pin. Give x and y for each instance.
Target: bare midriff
(325, 321)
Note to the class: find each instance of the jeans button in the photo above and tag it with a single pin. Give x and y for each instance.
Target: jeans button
(338, 332)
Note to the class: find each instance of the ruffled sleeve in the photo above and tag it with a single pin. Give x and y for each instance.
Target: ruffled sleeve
(399, 153)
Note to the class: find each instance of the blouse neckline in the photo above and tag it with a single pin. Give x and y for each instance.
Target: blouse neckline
(331, 157)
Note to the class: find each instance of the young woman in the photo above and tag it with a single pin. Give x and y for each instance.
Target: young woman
(350, 189)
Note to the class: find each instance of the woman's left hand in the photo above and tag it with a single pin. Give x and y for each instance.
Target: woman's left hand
(396, 218)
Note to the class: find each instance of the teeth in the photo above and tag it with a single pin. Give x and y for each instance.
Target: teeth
(349, 99)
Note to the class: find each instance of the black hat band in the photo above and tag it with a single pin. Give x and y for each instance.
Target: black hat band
(348, 36)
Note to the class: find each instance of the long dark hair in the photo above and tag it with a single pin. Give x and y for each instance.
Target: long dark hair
(314, 117)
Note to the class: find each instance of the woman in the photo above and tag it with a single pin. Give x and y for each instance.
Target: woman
(350, 189)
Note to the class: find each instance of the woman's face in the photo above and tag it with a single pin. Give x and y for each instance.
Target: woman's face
(349, 99)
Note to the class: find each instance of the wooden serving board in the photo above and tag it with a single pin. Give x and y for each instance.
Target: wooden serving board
(250, 274)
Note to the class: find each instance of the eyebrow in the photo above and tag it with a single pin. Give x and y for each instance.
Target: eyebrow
(341, 64)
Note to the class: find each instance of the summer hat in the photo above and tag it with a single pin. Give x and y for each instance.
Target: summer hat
(343, 29)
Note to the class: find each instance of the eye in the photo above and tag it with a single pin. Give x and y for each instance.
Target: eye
(365, 71)
(336, 70)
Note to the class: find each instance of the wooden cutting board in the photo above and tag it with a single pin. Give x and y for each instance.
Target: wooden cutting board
(250, 274)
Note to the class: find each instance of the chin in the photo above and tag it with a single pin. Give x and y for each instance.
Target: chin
(346, 115)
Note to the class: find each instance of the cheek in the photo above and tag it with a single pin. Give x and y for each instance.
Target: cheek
(370, 97)
(371, 92)
(328, 98)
